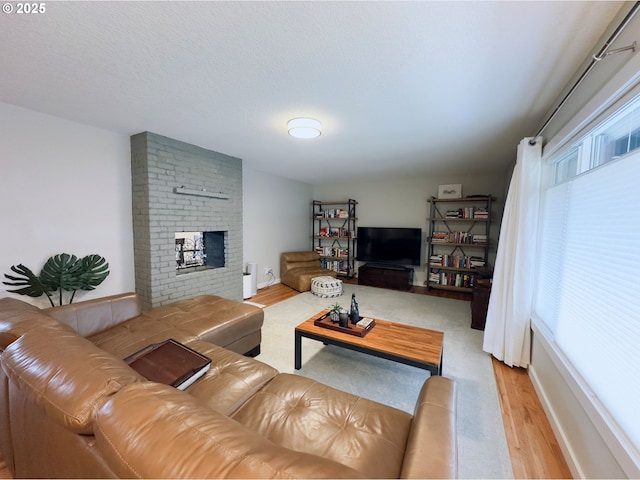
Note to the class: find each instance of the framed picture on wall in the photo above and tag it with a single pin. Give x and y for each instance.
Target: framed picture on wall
(450, 191)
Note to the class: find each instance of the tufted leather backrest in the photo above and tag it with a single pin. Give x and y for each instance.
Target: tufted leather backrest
(133, 428)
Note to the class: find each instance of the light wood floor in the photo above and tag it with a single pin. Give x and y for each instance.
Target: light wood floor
(532, 445)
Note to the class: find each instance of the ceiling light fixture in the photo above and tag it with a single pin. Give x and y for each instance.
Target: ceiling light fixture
(304, 127)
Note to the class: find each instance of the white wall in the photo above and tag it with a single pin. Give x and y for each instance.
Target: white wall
(64, 187)
(402, 201)
(277, 218)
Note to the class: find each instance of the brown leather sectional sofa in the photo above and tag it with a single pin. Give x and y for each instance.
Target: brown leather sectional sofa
(71, 408)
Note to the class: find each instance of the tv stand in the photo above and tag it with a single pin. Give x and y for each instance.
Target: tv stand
(385, 266)
(396, 277)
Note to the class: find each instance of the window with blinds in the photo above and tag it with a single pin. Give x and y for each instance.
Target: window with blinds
(588, 290)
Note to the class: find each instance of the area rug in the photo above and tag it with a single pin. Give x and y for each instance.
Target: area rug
(482, 446)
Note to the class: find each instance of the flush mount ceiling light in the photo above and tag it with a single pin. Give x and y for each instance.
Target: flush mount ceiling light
(304, 127)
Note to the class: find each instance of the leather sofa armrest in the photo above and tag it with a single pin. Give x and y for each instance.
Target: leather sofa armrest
(65, 375)
(432, 450)
(147, 422)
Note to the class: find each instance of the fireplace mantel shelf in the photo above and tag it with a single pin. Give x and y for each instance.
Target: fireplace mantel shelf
(201, 193)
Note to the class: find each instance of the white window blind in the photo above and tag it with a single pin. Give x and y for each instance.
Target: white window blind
(554, 214)
(589, 290)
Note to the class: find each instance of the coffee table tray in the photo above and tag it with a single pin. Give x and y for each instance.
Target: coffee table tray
(325, 322)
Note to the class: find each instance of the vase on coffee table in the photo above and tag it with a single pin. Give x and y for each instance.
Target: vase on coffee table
(344, 318)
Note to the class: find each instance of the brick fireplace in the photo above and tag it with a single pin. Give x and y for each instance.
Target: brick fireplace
(178, 187)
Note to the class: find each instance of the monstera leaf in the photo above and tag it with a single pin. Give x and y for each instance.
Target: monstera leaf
(94, 270)
(62, 272)
(32, 286)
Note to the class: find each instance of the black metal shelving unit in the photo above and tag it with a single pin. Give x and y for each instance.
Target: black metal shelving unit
(458, 246)
(333, 233)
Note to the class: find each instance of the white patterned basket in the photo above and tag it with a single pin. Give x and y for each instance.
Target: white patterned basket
(326, 287)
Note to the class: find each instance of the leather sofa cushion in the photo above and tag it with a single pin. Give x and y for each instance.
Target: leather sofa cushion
(207, 317)
(65, 374)
(128, 337)
(231, 379)
(300, 278)
(137, 423)
(92, 316)
(303, 415)
(212, 318)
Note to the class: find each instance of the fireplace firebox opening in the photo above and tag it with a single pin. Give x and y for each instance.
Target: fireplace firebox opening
(199, 251)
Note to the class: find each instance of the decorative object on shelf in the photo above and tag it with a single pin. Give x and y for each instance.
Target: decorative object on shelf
(450, 191)
(355, 313)
(60, 272)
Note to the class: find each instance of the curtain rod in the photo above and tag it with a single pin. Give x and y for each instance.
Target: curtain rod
(594, 60)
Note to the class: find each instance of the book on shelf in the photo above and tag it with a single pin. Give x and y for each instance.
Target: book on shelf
(333, 213)
(468, 212)
(456, 261)
(332, 251)
(475, 262)
(479, 238)
(439, 237)
(481, 213)
(455, 237)
(333, 232)
(169, 362)
(339, 266)
(435, 260)
(462, 280)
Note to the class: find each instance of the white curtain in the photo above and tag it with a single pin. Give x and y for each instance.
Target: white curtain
(507, 334)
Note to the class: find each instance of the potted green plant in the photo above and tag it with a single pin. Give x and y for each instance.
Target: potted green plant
(62, 272)
(334, 312)
(339, 314)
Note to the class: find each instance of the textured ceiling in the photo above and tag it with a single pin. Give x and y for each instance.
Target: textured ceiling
(438, 88)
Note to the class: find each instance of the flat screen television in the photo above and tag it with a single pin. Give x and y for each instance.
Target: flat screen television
(397, 246)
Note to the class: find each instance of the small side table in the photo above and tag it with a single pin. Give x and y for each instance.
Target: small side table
(480, 303)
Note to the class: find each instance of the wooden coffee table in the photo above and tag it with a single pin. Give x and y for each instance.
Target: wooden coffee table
(400, 343)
